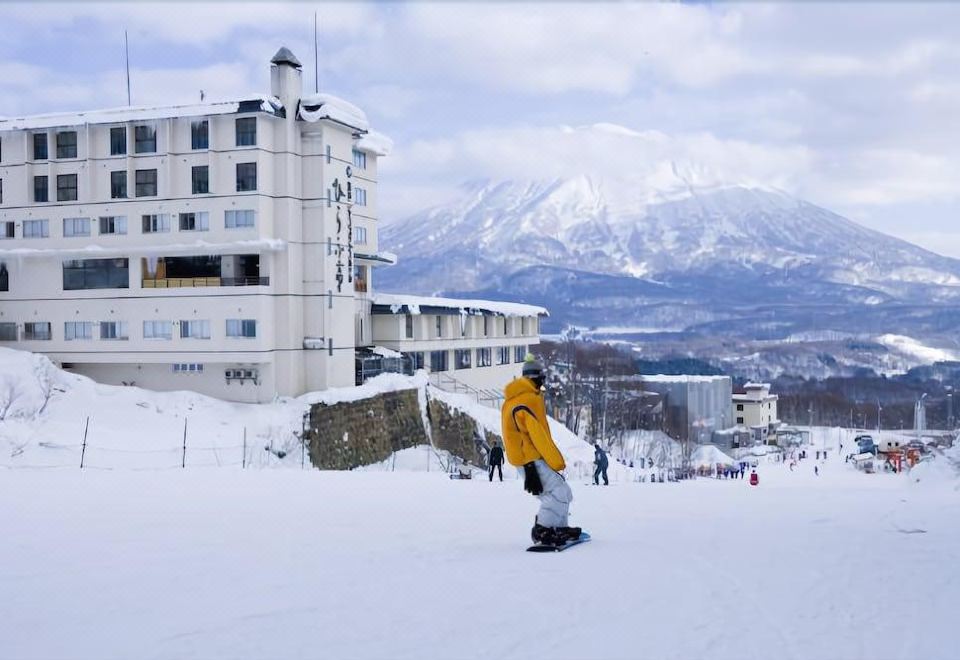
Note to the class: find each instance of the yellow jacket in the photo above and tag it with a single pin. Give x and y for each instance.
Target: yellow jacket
(526, 434)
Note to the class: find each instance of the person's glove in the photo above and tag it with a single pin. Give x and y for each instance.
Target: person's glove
(531, 480)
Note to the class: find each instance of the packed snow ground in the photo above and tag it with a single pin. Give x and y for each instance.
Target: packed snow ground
(286, 563)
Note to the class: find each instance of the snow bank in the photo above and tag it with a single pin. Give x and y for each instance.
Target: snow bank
(411, 304)
(376, 143)
(315, 107)
(710, 456)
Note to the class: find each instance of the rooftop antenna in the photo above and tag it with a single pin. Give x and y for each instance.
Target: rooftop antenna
(316, 55)
(126, 50)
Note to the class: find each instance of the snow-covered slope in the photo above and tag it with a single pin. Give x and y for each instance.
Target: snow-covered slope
(44, 412)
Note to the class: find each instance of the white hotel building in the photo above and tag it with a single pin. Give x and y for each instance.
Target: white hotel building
(226, 248)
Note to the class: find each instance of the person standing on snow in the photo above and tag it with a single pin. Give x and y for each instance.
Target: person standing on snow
(528, 444)
(496, 460)
(602, 462)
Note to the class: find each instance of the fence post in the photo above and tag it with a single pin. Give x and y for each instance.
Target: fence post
(83, 451)
(244, 447)
(183, 462)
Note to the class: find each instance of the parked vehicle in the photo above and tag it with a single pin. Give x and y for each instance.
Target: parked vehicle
(866, 444)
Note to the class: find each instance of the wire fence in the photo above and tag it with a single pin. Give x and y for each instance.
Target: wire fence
(88, 454)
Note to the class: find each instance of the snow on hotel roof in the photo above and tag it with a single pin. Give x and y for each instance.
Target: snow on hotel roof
(412, 304)
(268, 104)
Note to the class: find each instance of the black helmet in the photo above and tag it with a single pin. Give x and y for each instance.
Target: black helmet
(533, 370)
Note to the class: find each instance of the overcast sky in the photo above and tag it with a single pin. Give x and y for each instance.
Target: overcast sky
(855, 107)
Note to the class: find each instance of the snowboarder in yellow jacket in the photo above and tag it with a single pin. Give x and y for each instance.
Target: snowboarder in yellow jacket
(528, 444)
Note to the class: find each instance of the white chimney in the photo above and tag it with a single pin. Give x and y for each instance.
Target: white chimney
(286, 79)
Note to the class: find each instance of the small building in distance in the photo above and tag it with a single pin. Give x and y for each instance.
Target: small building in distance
(756, 409)
(694, 407)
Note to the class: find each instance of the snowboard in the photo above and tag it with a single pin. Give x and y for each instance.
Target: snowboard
(541, 547)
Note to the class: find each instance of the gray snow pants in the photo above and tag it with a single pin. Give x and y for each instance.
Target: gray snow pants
(555, 498)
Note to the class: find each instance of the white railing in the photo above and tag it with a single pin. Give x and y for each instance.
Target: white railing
(448, 383)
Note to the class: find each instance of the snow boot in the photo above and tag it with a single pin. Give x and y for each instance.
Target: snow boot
(568, 533)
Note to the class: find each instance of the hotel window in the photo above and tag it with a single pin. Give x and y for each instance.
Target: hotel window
(76, 227)
(246, 132)
(461, 358)
(484, 357)
(464, 324)
(118, 141)
(359, 159)
(360, 196)
(40, 189)
(7, 230)
(438, 361)
(145, 139)
(1, 191)
(360, 279)
(114, 330)
(36, 228)
(39, 146)
(200, 134)
(39, 330)
(503, 355)
(241, 328)
(739, 407)
(74, 330)
(82, 274)
(739, 420)
(199, 221)
(360, 235)
(408, 326)
(4, 277)
(158, 330)
(486, 325)
(439, 326)
(195, 329)
(188, 368)
(113, 224)
(523, 326)
(146, 183)
(8, 332)
(246, 177)
(67, 144)
(156, 224)
(200, 179)
(415, 358)
(118, 184)
(519, 353)
(66, 187)
(239, 219)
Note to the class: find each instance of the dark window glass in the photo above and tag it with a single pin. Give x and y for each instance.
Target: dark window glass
(146, 183)
(201, 179)
(39, 146)
(7, 229)
(8, 332)
(438, 360)
(246, 177)
(37, 330)
(40, 189)
(67, 144)
(118, 185)
(96, 274)
(462, 359)
(246, 131)
(146, 139)
(66, 187)
(118, 141)
(4, 278)
(200, 135)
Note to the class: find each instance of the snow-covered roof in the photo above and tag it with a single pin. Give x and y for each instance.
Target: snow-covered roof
(269, 104)
(709, 456)
(683, 378)
(376, 143)
(404, 304)
(315, 107)
(107, 251)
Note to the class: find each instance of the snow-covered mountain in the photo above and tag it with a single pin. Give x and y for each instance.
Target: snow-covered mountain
(689, 254)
